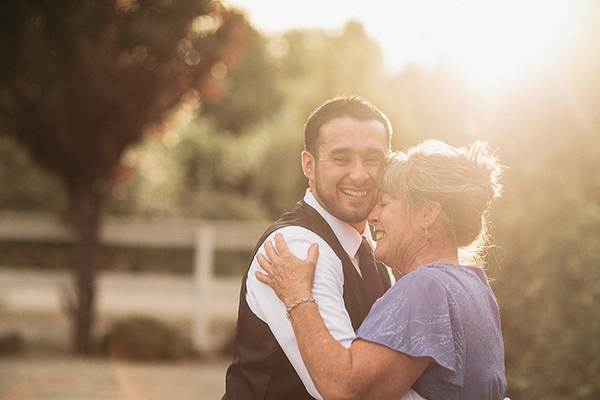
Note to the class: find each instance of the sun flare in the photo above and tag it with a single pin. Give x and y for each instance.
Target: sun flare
(493, 45)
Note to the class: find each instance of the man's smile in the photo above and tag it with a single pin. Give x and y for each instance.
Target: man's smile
(355, 193)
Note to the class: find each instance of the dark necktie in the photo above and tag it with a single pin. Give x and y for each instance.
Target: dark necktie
(369, 272)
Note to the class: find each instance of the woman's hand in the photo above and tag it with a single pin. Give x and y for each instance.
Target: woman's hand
(289, 276)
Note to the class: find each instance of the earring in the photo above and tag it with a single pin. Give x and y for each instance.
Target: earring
(427, 233)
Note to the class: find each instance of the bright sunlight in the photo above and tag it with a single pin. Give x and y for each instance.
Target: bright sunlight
(493, 45)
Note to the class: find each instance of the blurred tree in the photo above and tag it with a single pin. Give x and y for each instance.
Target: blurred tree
(241, 158)
(80, 80)
(205, 167)
(433, 103)
(318, 65)
(196, 171)
(548, 223)
(254, 97)
(24, 185)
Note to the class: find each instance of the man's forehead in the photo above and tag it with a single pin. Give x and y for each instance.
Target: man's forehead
(349, 129)
(347, 120)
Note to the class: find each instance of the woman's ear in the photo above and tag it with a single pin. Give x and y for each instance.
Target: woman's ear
(308, 165)
(430, 213)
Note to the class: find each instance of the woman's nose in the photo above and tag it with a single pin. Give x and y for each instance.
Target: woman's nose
(372, 217)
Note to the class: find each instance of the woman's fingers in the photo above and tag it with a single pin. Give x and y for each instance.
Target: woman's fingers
(281, 245)
(270, 251)
(313, 254)
(264, 263)
(289, 276)
(278, 259)
(266, 266)
(262, 277)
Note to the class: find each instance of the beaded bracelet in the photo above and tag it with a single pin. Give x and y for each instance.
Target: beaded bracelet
(297, 303)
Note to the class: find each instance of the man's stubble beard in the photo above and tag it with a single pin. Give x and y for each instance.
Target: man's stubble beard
(335, 207)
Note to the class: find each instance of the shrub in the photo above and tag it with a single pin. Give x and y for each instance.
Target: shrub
(11, 343)
(146, 339)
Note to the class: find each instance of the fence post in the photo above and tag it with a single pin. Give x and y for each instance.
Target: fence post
(204, 248)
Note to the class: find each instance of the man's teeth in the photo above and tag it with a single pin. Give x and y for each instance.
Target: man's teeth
(379, 235)
(355, 194)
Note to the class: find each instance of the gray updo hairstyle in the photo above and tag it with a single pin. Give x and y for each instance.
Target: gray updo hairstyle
(463, 180)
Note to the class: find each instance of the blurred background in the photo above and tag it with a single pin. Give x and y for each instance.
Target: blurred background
(136, 133)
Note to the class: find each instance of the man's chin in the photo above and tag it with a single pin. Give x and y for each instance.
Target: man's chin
(353, 217)
(351, 212)
(359, 211)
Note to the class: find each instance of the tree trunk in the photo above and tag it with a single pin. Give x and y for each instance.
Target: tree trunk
(87, 209)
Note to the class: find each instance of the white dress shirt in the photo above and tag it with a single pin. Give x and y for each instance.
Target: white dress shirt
(328, 288)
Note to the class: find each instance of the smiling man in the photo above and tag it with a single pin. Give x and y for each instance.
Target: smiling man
(345, 141)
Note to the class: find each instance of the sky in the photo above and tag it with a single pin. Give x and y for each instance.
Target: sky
(492, 44)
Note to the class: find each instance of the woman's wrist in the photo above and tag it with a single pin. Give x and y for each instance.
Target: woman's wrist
(291, 307)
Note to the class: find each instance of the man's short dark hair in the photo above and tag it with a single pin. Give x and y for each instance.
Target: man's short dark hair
(343, 106)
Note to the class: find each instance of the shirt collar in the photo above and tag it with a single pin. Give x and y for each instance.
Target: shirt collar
(349, 237)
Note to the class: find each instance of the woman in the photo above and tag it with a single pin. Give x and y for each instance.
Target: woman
(437, 330)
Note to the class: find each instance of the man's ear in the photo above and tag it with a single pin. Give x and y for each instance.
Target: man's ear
(308, 165)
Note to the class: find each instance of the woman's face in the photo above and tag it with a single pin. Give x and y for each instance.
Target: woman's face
(399, 237)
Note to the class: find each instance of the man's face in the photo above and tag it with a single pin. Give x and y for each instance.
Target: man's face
(344, 177)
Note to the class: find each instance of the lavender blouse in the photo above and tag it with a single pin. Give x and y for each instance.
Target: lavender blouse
(447, 312)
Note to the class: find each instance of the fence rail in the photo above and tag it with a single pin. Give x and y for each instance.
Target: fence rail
(205, 237)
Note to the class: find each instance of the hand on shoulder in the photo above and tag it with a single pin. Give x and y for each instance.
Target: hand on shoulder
(289, 276)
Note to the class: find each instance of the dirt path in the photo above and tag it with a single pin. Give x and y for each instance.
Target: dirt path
(30, 306)
(74, 378)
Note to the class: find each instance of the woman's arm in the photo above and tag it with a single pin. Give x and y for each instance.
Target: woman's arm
(327, 290)
(365, 370)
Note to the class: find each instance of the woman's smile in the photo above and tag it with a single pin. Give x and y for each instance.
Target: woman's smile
(379, 235)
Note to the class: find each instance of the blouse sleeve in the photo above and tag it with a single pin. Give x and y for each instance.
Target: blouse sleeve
(416, 317)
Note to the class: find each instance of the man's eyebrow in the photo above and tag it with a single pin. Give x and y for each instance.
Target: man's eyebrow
(376, 150)
(346, 150)
(341, 150)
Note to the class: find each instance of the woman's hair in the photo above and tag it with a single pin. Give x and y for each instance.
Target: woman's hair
(464, 181)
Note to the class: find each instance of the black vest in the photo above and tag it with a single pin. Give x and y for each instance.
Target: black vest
(260, 369)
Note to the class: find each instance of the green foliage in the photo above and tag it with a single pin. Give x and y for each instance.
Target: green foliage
(45, 256)
(147, 339)
(549, 289)
(252, 94)
(59, 257)
(82, 80)
(199, 173)
(24, 185)
(548, 224)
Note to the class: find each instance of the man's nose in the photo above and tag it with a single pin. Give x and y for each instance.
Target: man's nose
(359, 172)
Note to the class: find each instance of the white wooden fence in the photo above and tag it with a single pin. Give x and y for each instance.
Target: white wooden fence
(204, 236)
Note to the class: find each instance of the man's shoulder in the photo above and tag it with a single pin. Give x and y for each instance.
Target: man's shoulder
(298, 234)
(301, 214)
(303, 221)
